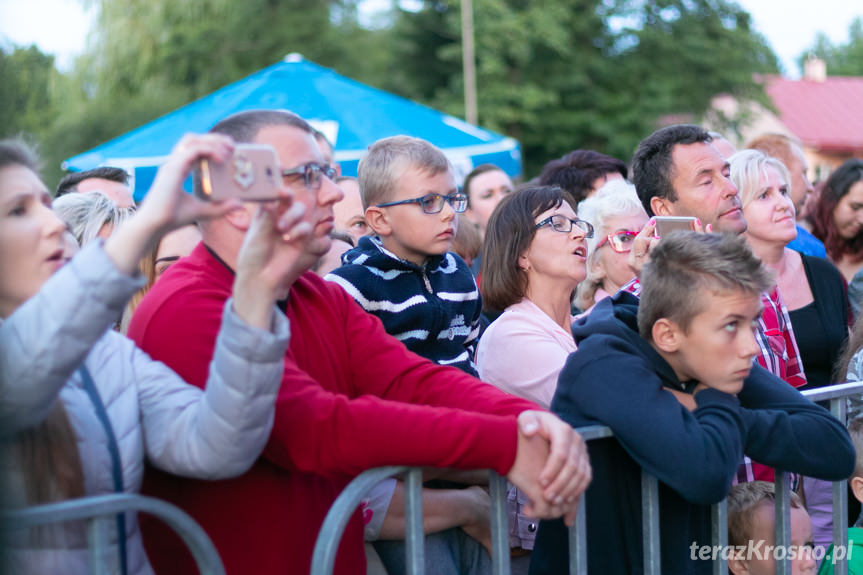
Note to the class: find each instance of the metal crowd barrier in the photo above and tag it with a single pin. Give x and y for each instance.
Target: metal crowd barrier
(337, 519)
(100, 511)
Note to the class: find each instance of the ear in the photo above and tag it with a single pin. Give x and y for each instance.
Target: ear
(378, 221)
(661, 206)
(857, 487)
(241, 218)
(737, 566)
(666, 335)
(524, 261)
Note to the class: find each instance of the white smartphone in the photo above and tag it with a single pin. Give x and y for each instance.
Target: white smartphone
(252, 174)
(667, 224)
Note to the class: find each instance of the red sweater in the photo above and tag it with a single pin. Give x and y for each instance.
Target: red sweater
(352, 398)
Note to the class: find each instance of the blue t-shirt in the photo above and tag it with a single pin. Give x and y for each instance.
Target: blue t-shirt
(807, 244)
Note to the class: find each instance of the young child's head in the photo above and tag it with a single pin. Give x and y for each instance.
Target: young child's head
(699, 306)
(410, 197)
(751, 520)
(855, 430)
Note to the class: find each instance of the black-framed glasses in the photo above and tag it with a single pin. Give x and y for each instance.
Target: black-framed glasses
(563, 224)
(433, 203)
(312, 174)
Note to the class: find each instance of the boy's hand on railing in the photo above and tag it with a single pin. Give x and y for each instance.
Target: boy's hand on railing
(552, 459)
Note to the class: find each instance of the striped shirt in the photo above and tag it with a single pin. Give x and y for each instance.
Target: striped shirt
(433, 309)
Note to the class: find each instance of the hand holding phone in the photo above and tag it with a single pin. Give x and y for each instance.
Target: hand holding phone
(252, 174)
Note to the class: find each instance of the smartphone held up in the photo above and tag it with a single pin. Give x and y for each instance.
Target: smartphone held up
(667, 224)
(252, 174)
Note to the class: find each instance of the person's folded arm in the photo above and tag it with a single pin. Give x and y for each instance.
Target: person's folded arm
(786, 430)
(695, 453)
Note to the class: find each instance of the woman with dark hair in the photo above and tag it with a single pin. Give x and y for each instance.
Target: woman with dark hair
(837, 217)
(80, 405)
(534, 258)
(535, 254)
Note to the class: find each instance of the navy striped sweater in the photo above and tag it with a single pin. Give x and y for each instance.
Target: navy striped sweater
(434, 309)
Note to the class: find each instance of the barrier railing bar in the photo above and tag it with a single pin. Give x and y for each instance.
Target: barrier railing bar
(415, 536)
(834, 391)
(650, 523)
(719, 528)
(782, 509)
(97, 542)
(329, 538)
(578, 540)
(840, 501)
(330, 535)
(500, 559)
(106, 506)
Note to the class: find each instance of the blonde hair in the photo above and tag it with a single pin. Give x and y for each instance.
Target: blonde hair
(743, 500)
(748, 167)
(86, 214)
(388, 159)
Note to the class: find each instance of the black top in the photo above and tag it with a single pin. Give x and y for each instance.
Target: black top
(821, 328)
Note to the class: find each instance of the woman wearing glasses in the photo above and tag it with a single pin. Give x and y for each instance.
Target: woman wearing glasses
(618, 216)
(535, 257)
(535, 253)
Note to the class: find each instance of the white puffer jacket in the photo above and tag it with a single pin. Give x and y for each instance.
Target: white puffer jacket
(154, 413)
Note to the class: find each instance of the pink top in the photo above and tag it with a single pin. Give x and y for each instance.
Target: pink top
(523, 351)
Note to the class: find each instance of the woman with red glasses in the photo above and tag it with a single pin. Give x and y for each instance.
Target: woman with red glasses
(617, 215)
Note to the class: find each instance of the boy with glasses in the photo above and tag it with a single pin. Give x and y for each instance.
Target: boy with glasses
(405, 274)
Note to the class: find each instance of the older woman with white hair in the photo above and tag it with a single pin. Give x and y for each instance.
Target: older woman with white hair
(91, 215)
(617, 216)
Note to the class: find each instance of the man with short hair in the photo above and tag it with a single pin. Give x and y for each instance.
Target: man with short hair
(677, 172)
(352, 397)
(789, 153)
(113, 182)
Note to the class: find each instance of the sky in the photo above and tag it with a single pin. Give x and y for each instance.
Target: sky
(60, 27)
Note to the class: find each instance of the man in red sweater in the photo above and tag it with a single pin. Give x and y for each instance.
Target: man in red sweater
(352, 397)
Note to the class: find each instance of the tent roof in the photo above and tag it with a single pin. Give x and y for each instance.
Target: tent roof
(351, 114)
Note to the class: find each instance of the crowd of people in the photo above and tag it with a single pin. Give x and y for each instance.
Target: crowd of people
(246, 360)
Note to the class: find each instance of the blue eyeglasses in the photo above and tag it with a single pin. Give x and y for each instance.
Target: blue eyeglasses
(563, 224)
(433, 203)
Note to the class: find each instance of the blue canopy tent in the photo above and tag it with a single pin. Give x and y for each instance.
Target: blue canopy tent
(350, 114)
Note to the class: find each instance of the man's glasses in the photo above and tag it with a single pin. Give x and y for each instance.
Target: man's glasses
(433, 203)
(621, 241)
(312, 174)
(563, 224)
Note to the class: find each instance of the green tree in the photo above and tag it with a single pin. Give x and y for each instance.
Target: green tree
(564, 74)
(28, 79)
(842, 59)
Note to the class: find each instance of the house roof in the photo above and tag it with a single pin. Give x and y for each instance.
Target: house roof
(826, 115)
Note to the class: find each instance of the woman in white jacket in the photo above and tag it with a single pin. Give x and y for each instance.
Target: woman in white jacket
(80, 406)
